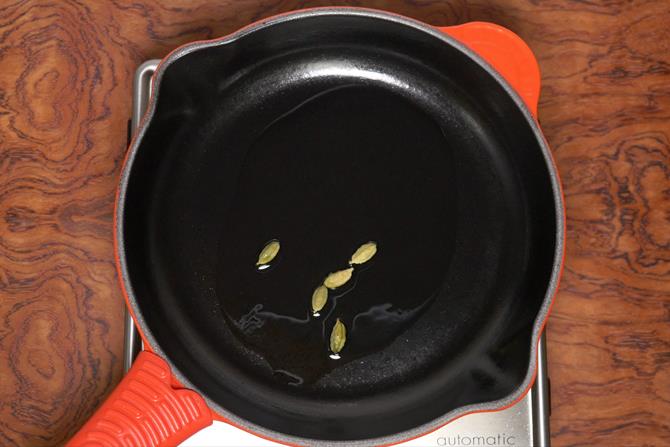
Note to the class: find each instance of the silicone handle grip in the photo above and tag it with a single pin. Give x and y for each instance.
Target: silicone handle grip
(506, 52)
(145, 410)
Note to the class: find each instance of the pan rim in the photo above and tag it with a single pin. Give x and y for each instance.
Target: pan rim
(427, 427)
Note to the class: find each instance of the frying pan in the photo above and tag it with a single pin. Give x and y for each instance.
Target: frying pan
(324, 129)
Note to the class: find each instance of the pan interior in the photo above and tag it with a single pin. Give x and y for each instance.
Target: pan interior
(325, 133)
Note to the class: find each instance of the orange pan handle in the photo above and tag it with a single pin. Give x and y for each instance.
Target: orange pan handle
(145, 410)
(506, 52)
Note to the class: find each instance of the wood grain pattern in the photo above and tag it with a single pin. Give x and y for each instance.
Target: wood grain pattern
(65, 85)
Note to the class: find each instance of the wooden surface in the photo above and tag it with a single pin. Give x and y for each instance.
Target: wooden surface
(65, 81)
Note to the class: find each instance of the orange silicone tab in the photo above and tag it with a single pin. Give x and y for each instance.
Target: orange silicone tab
(506, 52)
(145, 410)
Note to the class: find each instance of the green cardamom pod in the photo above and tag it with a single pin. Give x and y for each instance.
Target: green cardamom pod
(268, 253)
(339, 278)
(364, 253)
(338, 337)
(319, 298)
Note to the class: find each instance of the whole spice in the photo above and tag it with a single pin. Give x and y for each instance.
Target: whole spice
(338, 337)
(364, 253)
(319, 298)
(268, 253)
(339, 278)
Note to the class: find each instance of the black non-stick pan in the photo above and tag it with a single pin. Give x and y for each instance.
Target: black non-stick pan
(323, 130)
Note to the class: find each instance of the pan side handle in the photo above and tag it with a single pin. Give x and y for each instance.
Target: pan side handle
(506, 52)
(145, 410)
